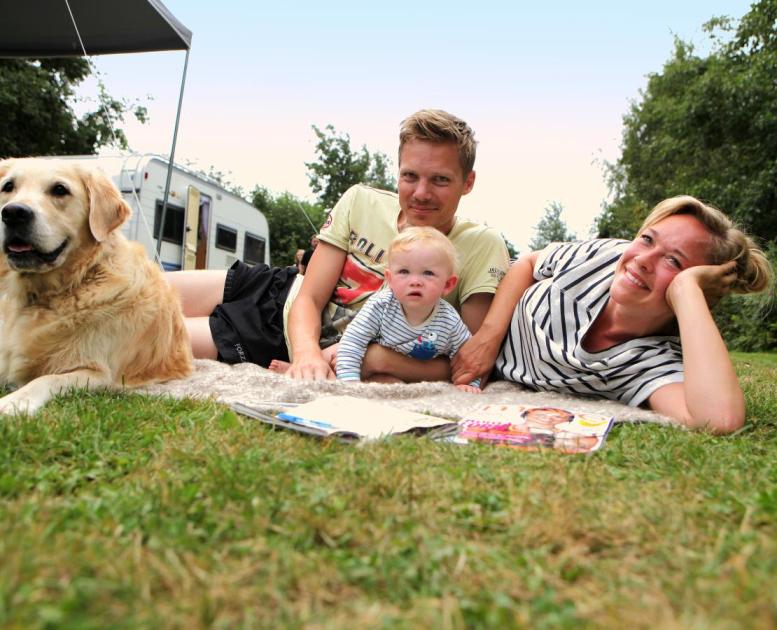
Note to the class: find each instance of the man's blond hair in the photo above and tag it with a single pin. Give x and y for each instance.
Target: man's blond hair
(436, 125)
(426, 237)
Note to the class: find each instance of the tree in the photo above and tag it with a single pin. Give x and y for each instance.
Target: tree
(707, 126)
(36, 100)
(289, 229)
(551, 228)
(338, 167)
(512, 250)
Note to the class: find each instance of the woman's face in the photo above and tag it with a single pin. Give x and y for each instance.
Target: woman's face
(652, 261)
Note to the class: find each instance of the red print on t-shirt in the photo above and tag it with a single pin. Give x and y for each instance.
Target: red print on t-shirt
(359, 280)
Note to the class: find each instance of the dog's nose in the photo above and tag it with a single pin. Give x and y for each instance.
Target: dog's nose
(17, 214)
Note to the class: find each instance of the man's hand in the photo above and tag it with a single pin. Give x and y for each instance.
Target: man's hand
(715, 281)
(312, 367)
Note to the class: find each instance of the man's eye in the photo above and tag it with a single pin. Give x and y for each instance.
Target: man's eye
(441, 181)
(8, 186)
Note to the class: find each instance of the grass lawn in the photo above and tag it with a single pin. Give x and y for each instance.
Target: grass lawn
(122, 511)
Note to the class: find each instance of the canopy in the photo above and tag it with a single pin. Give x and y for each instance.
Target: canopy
(44, 28)
(51, 28)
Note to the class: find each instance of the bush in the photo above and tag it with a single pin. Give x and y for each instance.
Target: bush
(749, 322)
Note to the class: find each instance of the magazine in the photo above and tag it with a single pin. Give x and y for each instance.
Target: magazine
(346, 418)
(534, 428)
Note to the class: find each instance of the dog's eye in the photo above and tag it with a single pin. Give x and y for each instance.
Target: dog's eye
(8, 186)
(59, 190)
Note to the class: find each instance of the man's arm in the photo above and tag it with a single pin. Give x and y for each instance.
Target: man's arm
(474, 310)
(321, 277)
(380, 360)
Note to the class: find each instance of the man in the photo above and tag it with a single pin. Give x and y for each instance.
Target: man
(243, 314)
(436, 158)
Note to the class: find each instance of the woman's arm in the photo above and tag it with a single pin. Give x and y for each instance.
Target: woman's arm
(710, 397)
(477, 356)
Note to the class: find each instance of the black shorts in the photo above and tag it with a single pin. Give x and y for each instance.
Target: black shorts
(248, 325)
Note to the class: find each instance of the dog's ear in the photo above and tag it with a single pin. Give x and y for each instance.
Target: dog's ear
(107, 210)
(5, 165)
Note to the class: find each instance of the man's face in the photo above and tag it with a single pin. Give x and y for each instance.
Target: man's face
(430, 184)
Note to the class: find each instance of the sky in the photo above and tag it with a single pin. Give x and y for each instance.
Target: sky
(544, 85)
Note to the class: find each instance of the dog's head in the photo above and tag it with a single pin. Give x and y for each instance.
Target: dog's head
(51, 208)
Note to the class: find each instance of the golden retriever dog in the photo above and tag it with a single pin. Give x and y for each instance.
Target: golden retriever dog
(80, 305)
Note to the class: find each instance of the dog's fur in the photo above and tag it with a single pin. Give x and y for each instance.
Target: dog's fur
(80, 306)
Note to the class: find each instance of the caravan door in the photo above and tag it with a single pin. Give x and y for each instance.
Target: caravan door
(191, 223)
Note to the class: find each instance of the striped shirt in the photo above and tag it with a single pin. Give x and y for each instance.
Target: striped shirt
(543, 348)
(381, 320)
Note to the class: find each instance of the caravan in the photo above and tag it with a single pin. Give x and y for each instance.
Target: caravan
(206, 226)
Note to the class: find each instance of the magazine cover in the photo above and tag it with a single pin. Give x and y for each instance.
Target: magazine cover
(533, 428)
(346, 418)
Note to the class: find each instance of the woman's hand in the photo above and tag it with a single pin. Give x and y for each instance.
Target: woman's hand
(715, 281)
(709, 396)
(475, 359)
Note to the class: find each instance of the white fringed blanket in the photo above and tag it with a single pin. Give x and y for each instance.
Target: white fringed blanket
(253, 385)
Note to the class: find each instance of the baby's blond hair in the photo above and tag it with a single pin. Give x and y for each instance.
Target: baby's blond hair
(412, 237)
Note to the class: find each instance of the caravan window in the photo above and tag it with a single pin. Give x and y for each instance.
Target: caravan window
(253, 251)
(226, 237)
(173, 231)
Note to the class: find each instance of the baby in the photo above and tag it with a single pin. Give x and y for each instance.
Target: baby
(409, 316)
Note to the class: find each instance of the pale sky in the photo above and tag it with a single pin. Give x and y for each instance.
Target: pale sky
(544, 86)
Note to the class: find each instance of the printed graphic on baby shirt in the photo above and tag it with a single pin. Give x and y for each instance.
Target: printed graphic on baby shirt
(425, 347)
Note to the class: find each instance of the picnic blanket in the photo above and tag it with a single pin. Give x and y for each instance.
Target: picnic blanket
(252, 385)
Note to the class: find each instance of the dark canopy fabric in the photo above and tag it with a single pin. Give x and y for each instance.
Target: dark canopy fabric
(44, 28)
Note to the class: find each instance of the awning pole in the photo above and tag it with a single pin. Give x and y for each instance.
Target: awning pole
(171, 162)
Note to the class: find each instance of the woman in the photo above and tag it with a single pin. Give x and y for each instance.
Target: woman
(625, 320)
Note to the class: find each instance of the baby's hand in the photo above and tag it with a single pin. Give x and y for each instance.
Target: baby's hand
(471, 389)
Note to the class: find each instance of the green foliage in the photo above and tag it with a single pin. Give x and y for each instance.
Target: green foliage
(36, 100)
(750, 321)
(338, 167)
(120, 510)
(551, 228)
(512, 250)
(289, 229)
(707, 126)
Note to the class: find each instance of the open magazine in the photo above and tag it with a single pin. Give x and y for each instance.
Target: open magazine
(524, 427)
(530, 427)
(346, 418)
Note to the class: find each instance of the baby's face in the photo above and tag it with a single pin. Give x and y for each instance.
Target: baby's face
(420, 276)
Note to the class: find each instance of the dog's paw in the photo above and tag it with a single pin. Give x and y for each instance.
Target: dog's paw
(14, 404)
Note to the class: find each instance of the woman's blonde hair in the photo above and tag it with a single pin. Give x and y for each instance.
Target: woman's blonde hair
(425, 237)
(754, 272)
